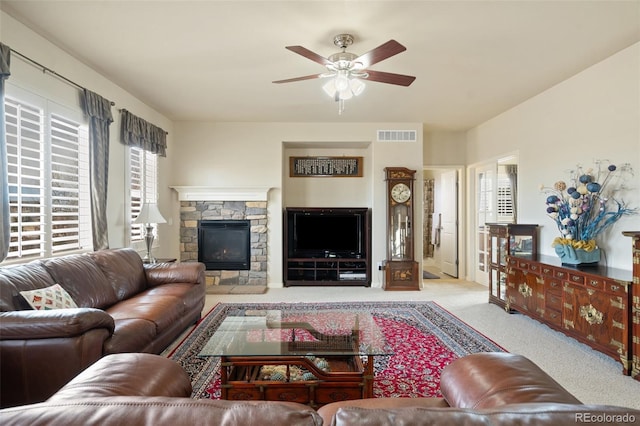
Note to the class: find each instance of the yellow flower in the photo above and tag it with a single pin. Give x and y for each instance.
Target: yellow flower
(578, 244)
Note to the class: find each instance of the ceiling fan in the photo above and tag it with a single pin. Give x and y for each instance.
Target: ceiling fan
(348, 69)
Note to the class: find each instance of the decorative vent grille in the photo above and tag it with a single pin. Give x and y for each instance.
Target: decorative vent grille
(397, 136)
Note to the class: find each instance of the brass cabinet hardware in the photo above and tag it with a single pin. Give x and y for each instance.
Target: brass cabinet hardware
(591, 314)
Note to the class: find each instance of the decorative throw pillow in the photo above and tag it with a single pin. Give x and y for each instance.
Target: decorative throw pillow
(54, 297)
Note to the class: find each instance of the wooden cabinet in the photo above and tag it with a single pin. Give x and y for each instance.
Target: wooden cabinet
(593, 305)
(635, 305)
(508, 239)
(401, 275)
(330, 271)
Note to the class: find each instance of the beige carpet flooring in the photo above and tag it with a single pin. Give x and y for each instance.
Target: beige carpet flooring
(589, 375)
(236, 289)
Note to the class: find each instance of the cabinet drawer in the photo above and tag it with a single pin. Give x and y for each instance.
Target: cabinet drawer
(523, 265)
(594, 283)
(560, 274)
(289, 393)
(576, 279)
(553, 286)
(244, 393)
(546, 270)
(553, 317)
(553, 301)
(615, 287)
(329, 394)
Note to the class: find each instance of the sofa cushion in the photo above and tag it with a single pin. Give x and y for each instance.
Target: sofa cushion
(83, 279)
(14, 279)
(189, 294)
(48, 298)
(494, 379)
(130, 335)
(160, 310)
(327, 412)
(124, 270)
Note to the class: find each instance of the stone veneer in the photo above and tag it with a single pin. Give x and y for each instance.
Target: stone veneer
(255, 211)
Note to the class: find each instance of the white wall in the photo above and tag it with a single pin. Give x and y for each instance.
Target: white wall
(445, 148)
(593, 115)
(22, 39)
(236, 155)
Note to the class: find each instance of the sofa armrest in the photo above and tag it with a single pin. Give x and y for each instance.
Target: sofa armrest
(128, 374)
(182, 272)
(494, 379)
(32, 324)
(43, 350)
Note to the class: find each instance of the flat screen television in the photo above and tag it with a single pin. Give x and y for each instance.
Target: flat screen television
(337, 232)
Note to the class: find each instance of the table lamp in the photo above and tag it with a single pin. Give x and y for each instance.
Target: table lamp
(149, 214)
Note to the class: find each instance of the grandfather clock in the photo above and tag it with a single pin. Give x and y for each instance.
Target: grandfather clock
(400, 268)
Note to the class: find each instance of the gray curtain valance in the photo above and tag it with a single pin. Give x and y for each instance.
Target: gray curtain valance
(142, 134)
(5, 221)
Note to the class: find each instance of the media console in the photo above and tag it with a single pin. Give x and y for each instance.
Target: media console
(327, 246)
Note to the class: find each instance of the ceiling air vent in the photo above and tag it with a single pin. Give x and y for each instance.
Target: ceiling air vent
(397, 136)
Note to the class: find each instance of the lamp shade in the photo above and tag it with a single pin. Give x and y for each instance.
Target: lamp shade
(149, 214)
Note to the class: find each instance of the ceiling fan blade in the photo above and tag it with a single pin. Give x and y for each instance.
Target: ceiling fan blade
(309, 54)
(380, 53)
(306, 77)
(390, 78)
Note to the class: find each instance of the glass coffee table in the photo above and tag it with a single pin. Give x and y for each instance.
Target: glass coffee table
(310, 357)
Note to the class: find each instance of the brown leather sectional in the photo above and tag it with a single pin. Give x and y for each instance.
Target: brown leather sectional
(123, 306)
(480, 389)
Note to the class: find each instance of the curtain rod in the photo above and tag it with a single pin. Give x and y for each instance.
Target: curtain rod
(49, 70)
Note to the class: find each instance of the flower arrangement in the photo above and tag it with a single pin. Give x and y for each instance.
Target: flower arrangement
(587, 206)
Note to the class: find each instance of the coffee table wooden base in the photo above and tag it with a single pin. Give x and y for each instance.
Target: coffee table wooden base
(348, 378)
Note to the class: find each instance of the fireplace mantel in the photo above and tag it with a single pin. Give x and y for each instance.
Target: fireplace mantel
(209, 193)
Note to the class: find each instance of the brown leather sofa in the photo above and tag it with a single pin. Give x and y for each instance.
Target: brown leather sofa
(480, 389)
(123, 306)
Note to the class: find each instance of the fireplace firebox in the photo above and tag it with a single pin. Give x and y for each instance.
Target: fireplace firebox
(225, 244)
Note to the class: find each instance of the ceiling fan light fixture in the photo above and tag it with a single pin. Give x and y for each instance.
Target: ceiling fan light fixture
(330, 88)
(343, 87)
(342, 81)
(346, 69)
(345, 94)
(357, 86)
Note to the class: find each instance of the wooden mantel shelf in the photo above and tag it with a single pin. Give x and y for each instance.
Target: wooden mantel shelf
(210, 193)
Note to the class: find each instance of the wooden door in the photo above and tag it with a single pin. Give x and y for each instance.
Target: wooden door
(449, 231)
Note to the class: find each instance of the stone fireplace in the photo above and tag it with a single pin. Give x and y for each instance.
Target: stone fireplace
(215, 204)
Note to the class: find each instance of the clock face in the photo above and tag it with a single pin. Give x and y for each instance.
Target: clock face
(400, 193)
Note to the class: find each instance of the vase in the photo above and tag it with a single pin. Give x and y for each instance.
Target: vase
(577, 257)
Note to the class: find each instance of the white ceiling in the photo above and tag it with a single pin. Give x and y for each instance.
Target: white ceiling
(216, 60)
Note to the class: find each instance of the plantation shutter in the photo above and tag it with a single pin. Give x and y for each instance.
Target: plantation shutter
(143, 185)
(69, 184)
(25, 140)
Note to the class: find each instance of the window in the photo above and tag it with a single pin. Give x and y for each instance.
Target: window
(143, 186)
(48, 176)
(505, 200)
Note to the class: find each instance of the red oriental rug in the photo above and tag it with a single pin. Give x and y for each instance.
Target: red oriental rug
(423, 336)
